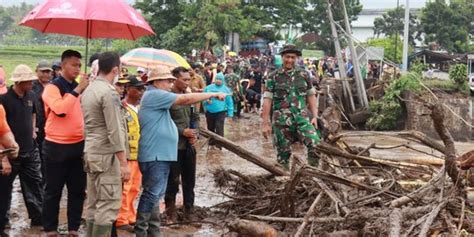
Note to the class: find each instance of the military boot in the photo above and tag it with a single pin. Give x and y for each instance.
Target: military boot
(102, 230)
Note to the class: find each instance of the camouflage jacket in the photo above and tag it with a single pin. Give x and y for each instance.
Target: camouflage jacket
(289, 89)
(232, 81)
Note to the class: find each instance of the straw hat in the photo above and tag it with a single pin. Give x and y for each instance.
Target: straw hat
(23, 73)
(160, 73)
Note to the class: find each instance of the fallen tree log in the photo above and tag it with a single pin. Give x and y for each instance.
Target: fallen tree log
(367, 214)
(294, 219)
(419, 193)
(332, 195)
(438, 115)
(252, 228)
(321, 174)
(431, 217)
(270, 166)
(395, 222)
(416, 135)
(331, 150)
(424, 139)
(310, 212)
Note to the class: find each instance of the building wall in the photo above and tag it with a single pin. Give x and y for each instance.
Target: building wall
(418, 117)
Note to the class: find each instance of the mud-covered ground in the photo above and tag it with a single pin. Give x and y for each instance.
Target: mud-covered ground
(246, 133)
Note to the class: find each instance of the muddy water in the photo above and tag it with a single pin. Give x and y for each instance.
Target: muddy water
(245, 132)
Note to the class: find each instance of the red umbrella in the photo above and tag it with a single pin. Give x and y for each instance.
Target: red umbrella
(89, 19)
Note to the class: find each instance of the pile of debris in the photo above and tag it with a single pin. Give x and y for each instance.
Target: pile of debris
(350, 193)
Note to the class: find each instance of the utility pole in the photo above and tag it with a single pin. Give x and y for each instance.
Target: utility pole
(406, 33)
(396, 38)
(355, 61)
(342, 66)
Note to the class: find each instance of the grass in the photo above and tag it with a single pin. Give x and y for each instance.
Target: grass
(439, 84)
(445, 85)
(11, 56)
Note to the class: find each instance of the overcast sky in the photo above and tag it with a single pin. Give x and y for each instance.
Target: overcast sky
(368, 4)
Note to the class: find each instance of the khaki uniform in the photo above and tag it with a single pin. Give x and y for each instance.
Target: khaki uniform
(106, 134)
(197, 83)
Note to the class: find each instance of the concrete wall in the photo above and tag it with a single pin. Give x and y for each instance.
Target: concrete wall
(418, 117)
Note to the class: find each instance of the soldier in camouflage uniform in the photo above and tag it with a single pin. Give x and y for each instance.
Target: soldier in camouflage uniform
(289, 93)
(232, 81)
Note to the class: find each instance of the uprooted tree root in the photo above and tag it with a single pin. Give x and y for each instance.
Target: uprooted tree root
(265, 198)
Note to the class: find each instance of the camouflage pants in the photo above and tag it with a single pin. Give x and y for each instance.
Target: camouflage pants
(290, 129)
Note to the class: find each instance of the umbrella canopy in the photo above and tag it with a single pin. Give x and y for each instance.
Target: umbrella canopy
(88, 19)
(150, 57)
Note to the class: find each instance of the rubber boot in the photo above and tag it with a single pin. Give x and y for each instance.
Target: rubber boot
(102, 230)
(141, 226)
(154, 223)
(171, 213)
(89, 227)
(190, 215)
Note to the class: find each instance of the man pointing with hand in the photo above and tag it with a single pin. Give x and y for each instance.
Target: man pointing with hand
(158, 145)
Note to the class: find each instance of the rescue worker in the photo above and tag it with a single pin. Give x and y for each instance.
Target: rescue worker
(128, 214)
(289, 93)
(106, 147)
(63, 146)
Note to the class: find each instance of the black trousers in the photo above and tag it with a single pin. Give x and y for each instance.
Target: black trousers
(39, 143)
(64, 166)
(215, 123)
(28, 167)
(238, 105)
(253, 98)
(186, 168)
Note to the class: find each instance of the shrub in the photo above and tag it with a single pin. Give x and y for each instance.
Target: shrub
(458, 74)
(386, 112)
(417, 67)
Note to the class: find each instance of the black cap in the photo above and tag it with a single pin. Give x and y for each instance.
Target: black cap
(56, 64)
(133, 81)
(290, 48)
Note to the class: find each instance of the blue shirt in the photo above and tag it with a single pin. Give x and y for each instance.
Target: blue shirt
(158, 132)
(216, 105)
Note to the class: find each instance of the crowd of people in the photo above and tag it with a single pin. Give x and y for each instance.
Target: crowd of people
(110, 135)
